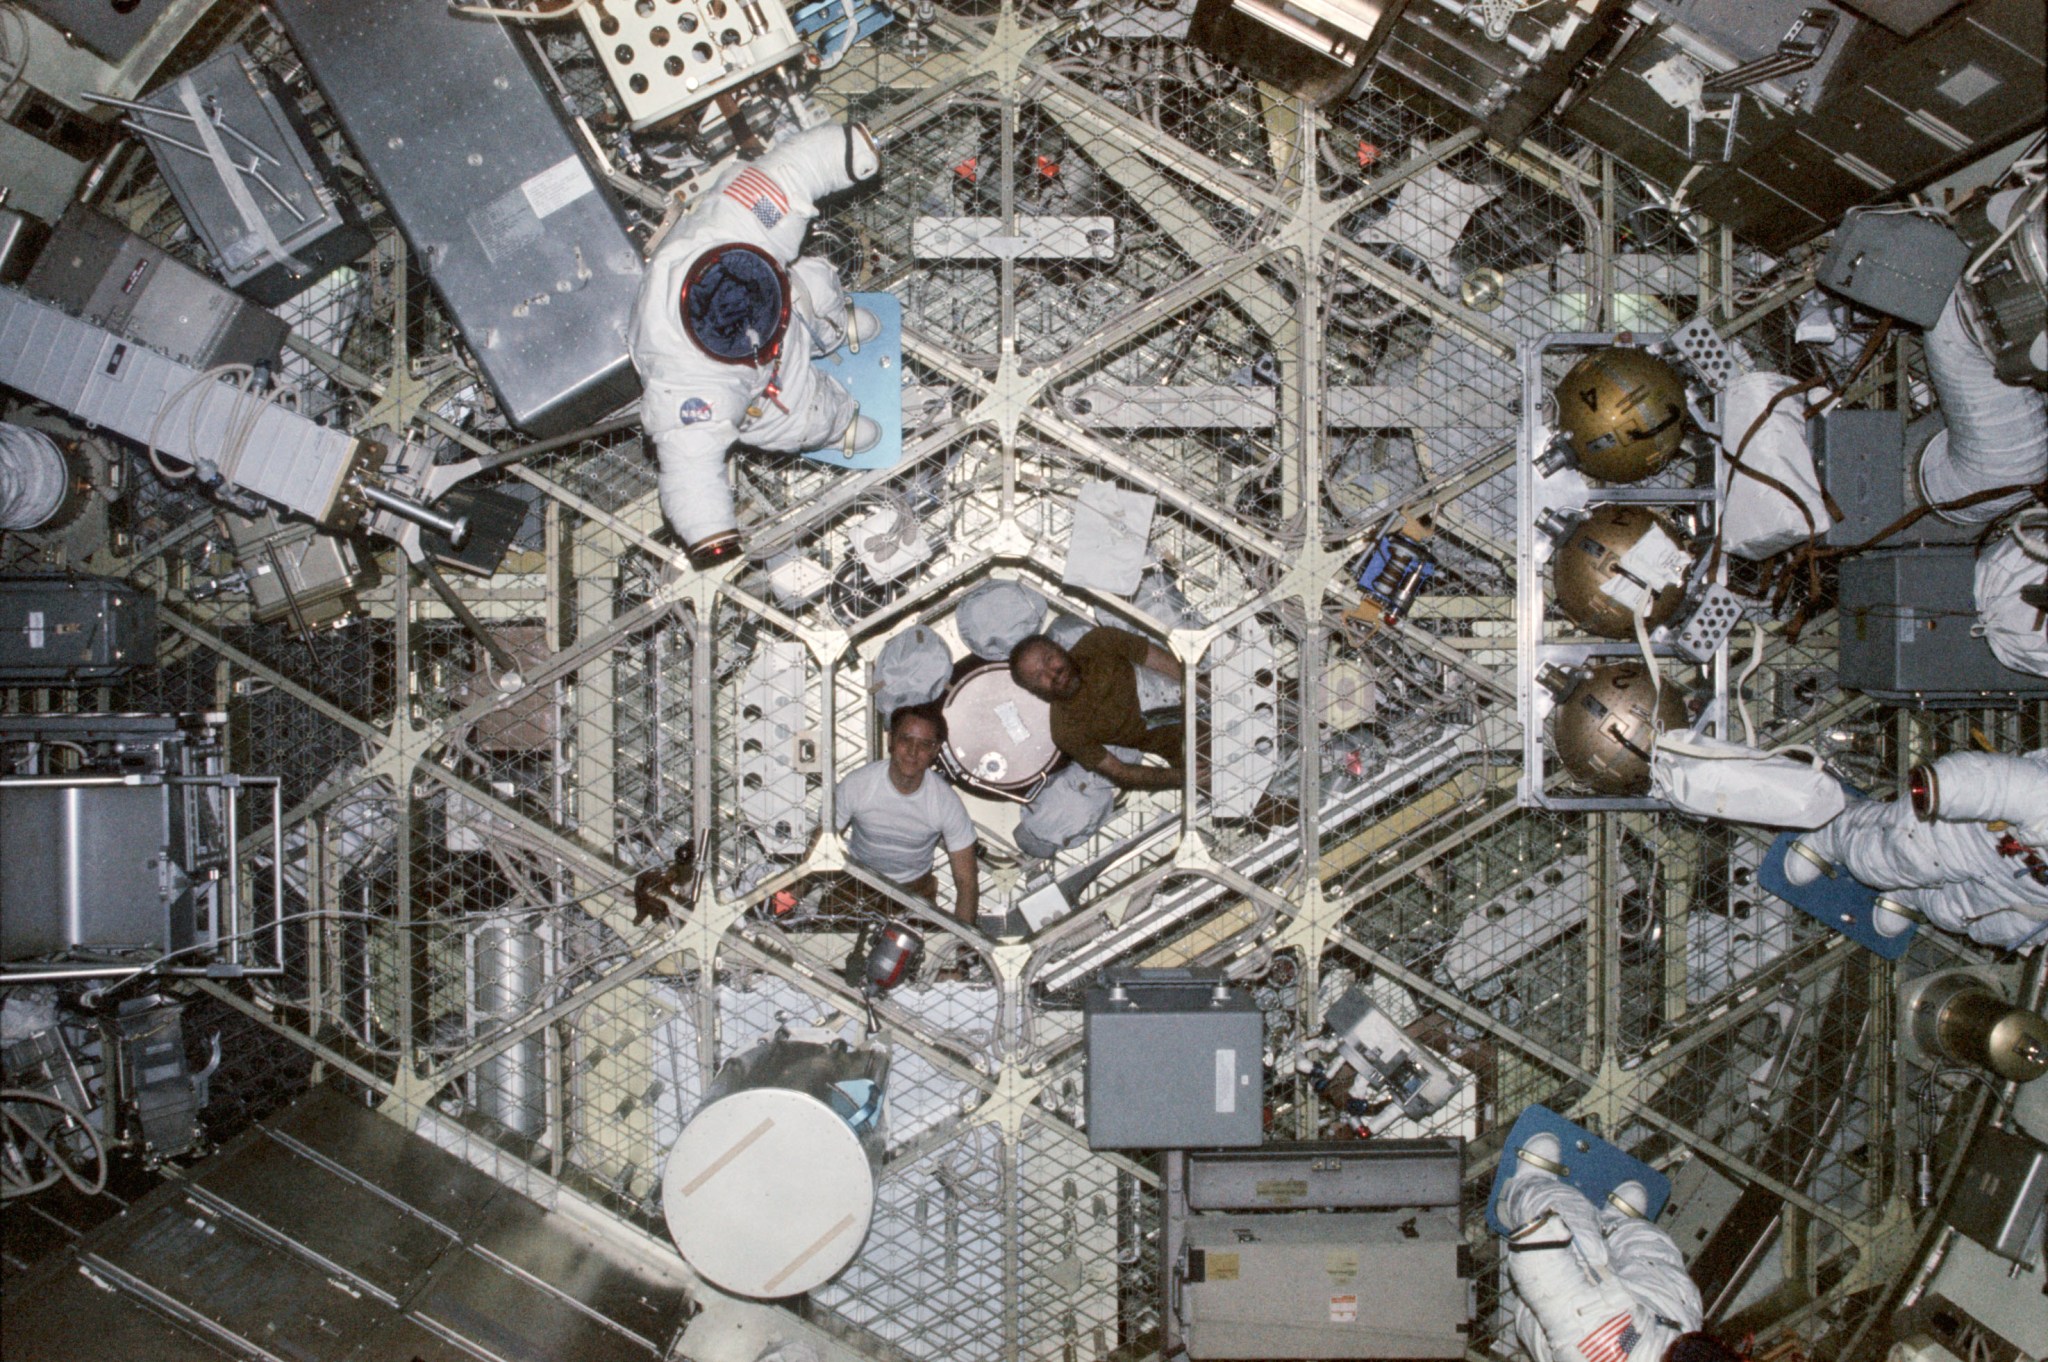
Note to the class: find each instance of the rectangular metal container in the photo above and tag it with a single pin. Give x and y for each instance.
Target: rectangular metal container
(96, 269)
(80, 866)
(71, 630)
(1174, 1061)
(1863, 462)
(1328, 1175)
(1905, 630)
(487, 179)
(107, 381)
(313, 223)
(2002, 1193)
(1357, 1284)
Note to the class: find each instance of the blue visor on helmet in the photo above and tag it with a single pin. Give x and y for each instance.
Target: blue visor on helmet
(736, 304)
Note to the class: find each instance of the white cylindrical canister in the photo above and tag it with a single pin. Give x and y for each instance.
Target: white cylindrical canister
(770, 1189)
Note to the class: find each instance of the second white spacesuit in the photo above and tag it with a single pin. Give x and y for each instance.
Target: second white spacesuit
(1592, 1285)
(729, 320)
(1951, 865)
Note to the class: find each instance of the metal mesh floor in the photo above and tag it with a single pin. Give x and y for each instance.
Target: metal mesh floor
(1292, 281)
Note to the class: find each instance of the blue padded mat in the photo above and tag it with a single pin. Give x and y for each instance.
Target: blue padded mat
(1841, 903)
(875, 378)
(1591, 1164)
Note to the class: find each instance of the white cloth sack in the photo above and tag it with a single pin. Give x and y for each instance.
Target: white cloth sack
(1067, 811)
(2011, 626)
(1785, 788)
(1758, 520)
(995, 616)
(913, 669)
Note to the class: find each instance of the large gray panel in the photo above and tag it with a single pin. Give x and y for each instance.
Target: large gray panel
(515, 1320)
(487, 180)
(250, 1288)
(78, 867)
(1338, 1174)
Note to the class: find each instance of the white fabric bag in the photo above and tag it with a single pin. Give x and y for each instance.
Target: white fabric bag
(1757, 520)
(1785, 788)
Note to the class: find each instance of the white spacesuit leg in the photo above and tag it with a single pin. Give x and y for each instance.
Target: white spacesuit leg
(821, 298)
(1575, 1303)
(808, 409)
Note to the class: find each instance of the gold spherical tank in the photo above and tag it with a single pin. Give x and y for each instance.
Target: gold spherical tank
(1603, 731)
(1623, 413)
(1586, 565)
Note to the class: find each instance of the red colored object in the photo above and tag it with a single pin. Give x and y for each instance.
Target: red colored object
(783, 901)
(1922, 788)
(1048, 167)
(1367, 153)
(969, 169)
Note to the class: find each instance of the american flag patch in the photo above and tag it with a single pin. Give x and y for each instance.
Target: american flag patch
(752, 190)
(1610, 1342)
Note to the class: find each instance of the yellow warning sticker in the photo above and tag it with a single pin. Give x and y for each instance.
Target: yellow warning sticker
(1341, 1264)
(1222, 1266)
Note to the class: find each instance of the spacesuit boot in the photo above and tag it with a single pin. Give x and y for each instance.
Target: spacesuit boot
(729, 321)
(1591, 1285)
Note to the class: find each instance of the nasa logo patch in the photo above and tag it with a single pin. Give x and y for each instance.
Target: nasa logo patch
(695, 409)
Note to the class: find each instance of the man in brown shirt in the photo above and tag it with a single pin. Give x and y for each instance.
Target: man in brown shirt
(1093, 692)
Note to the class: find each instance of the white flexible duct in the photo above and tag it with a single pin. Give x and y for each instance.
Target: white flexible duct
(1949, 868)
(1997, 432)
(33, 478)
(2010, 625)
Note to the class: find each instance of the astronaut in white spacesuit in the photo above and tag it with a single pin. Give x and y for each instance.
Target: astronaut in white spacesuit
(1967, 848)
(1593, 1285)
(729, 320)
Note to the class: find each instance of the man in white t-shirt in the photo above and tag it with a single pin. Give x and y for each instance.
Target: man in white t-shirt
(898, 812)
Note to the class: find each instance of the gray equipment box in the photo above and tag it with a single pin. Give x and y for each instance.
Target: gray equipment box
(1309, 1284)
(71, 630)
(1174, 1061)
(84, 866)
(2002, 1193)
(1327, 1174)
(1894, 262)
(1863, 459)
(111, 28)
(312, 223)
(1906, 616)
(95, 268)
(487, 180)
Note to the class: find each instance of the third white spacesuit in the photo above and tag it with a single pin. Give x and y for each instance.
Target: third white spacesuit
(1954, 867)
(728, 321)
(1593, 1285)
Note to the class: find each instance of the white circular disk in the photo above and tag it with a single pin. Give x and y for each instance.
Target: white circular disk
(768, 1193)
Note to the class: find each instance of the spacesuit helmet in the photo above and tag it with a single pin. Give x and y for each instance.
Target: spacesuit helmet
(735, 303)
